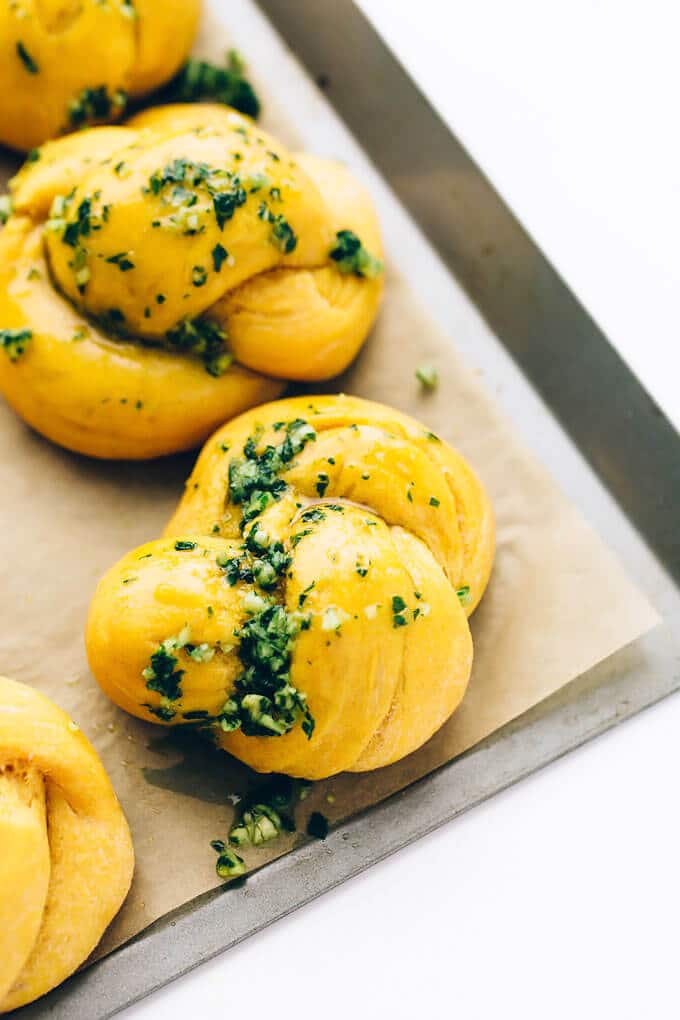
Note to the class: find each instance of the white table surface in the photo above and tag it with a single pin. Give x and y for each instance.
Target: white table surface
(559, 898)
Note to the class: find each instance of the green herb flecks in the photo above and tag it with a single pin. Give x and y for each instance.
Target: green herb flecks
(322, 482)
(259, 824)
(350, 256)
(268, 813)
(163, 676)
(398, 611)
(204, 338)
(199, 79)
(75, 228)
(227, 202)
(223, 187)
(199, 276)
(219, 257)
(95, 104)
(26, 59)
(313, 516)
(264, 702)
(229, 864)
(122, 260)
(14, 342)
(427, 376)
(282, 235)
(6, 208)
(464, 595)
(254, 481)
(79, 227)
(262, 562)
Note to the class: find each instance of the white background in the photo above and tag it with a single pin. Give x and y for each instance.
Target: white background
(559, 898)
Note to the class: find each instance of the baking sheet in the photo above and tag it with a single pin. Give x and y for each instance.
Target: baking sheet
(66, 519)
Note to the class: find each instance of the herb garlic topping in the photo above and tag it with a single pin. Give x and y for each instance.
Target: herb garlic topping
(307, 609)
(163, 276)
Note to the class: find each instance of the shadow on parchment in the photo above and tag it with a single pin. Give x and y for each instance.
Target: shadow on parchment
(201, 771)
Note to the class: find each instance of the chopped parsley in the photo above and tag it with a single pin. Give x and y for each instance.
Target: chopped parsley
(26, 59)
(262, 561)
(178, 171)
(302, 597)
(204, 338)
(434, 501)
(92, 104)
(322, 481)
(14, 342)
(183, 546)
(223, 187)
(199, 276)
(427, 376)
(6, 208)
(122, 261)
(219, 257)
(464, 595)
(226, 203)
(162, 675)
(398, 608)
(259, 824)
(229, 864)
(254, 481)
(282, 235)
(350, 256)
(80, 227)
(268, 813)
(263, 701)
(313, 516)
(199, 79)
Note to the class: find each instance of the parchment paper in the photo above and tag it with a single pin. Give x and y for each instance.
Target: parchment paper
(558, 602)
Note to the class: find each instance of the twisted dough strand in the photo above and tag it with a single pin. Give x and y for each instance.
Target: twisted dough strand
(51, 51)
(67, 859)
(374, 529)
(140, 260)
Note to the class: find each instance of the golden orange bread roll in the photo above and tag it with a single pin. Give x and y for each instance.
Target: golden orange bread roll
(66, 857)
(65, 63)
(308, 605)
(161, 277)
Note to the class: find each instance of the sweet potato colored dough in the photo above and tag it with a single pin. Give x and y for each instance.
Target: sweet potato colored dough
(308, 606)
(159, 278)
(66, 857)
(64, 62)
